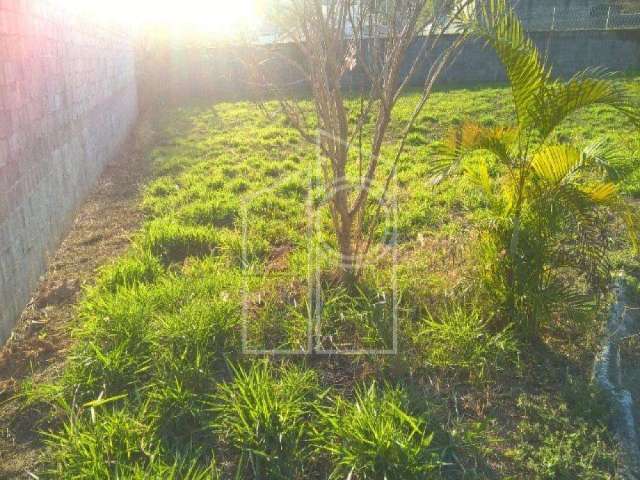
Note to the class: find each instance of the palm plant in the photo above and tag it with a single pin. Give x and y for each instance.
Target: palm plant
(550, 203)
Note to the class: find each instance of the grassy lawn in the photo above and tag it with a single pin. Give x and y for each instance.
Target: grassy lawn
(158, 386)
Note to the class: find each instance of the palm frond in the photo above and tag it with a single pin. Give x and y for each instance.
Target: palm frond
(585, 249)
(574, 202)
(579, 202)
(631, 219)
(603, 155)
(602, 192)
(558, 100)
(479, 175)
(564, 299)
(558, 163)
(470, 137)
(554, 163)
(542, 104)
(500, 27)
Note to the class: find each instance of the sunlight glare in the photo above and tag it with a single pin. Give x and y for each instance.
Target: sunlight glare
(219, 17)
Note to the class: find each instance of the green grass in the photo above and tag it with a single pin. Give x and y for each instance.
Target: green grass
(149, 391)
(267, 421)
(376, 436)
(462, 341)
(555, 441)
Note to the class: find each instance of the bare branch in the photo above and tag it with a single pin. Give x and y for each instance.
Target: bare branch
(344, 37)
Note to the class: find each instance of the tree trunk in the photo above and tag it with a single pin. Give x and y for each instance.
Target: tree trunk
(348, 264)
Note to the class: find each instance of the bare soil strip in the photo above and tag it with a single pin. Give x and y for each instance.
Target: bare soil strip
(40, 343)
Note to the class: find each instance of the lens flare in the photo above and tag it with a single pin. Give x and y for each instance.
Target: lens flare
(219, 17)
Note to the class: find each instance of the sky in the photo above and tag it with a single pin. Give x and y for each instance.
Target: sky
(218, 17)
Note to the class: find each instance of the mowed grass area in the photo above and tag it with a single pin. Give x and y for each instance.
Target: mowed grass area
(158, 387)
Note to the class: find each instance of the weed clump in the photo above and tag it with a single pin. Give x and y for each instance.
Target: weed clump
(461, 340)
(555, 443)
(265, 416)
(117, 446)
(376, 436)
(130, 271)
(173, 242)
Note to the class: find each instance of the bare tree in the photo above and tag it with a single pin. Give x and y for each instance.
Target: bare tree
(368, 40)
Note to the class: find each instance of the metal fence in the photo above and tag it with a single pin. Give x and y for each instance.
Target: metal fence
(601, 17)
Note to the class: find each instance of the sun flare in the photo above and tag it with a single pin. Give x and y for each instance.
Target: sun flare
(218, 17)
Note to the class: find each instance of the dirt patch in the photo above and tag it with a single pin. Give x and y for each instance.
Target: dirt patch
(40, 342)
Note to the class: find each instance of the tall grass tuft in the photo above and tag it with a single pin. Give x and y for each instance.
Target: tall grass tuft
(135, 269)
(264, 416)
(173, 242)
(462, 340)
(375, 437)
(118, 445)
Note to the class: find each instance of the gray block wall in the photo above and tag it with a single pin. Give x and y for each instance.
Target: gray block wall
(544, 15)
(566, 52)
(68, 101)
(188, 73)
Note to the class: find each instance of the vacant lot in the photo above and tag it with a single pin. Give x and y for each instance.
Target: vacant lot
(235, 255)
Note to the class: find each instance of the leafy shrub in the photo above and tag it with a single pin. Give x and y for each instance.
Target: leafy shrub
(376, 438)
(462, 340)
(264, 416)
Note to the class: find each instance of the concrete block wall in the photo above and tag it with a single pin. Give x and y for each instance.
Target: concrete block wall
(567, 53)
(193, 73)
(68, 100)
(561, 15)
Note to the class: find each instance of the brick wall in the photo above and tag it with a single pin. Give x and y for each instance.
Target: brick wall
(67, 102)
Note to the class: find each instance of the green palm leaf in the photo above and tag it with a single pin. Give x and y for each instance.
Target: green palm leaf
(468, 138)
(575, 201)
(500, 27)
(542, 104)
(555, 162)
(603, 156)
(602, 193)
(558, 100)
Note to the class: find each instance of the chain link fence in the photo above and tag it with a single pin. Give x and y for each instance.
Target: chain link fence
(600, 17)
